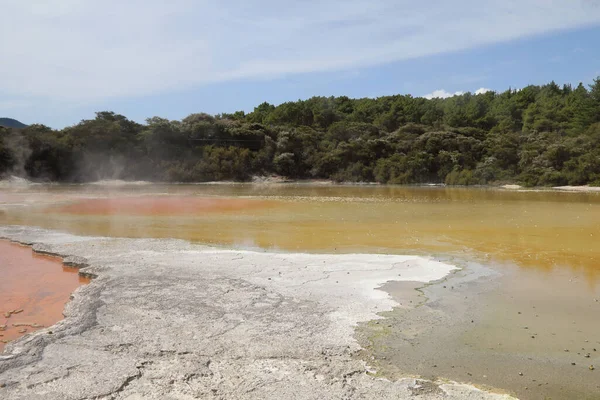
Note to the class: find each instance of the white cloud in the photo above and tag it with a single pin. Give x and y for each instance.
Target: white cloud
(441, 94)
(86, 50)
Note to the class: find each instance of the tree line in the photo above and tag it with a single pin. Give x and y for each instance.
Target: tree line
(536, 136)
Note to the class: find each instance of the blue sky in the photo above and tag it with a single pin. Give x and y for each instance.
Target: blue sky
(61, 60)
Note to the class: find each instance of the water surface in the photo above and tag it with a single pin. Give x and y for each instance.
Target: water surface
(542, 245)
(33, 290)
(540, 230)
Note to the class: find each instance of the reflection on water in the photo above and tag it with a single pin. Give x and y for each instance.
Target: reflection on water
(534, 229)
(33, 290)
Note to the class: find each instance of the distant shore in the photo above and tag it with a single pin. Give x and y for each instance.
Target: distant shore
(281, 180)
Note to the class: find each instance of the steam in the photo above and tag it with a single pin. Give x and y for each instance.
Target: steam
(98, 167)
(15, 181)
(18, 145)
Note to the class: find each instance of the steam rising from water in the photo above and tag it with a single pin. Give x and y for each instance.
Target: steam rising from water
(15, 181)
(19, 147)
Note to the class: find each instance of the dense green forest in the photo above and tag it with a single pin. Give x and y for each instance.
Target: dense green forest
(536, 136)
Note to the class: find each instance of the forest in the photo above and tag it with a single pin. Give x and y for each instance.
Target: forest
(545, 135)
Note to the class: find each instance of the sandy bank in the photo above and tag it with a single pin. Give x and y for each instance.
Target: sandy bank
(118, 183)
(169, 319)
(584, 188)
(512, 187)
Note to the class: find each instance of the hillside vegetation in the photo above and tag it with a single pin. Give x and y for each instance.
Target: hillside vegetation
(538, 135)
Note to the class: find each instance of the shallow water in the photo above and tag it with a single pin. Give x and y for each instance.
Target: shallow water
(529, 335)
(36, 287)
(543, 244)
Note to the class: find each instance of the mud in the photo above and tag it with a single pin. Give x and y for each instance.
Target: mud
(33, 290)
(166, 319)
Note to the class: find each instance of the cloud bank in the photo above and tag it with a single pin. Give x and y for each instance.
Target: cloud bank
(442, 94)
(87, 50)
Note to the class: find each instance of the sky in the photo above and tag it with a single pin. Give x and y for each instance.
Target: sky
(62, 60)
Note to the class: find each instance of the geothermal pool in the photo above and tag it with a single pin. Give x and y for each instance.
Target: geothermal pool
(524, 303)
(33, 290)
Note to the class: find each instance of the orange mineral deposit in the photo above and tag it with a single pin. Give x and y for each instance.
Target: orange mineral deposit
(33, 290)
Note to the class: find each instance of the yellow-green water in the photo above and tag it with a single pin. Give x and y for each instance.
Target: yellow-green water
(541, 230)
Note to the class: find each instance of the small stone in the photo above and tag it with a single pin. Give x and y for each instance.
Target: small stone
(2, 385)
(592, 368)
(566, 350)
(533, 337)
(269, 278)
(22, 330)
(520, 374)
(7, 315)
(573, 364)
(434, 365)
(587, 355)
(519, 312)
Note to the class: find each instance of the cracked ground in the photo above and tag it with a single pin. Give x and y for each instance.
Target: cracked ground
(166, 319)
